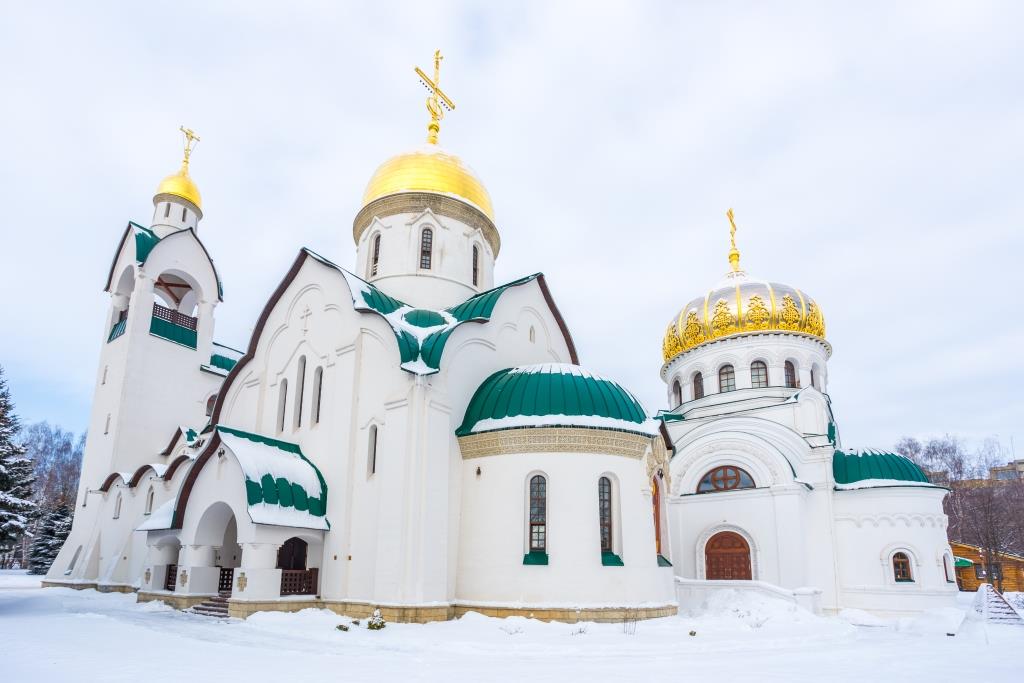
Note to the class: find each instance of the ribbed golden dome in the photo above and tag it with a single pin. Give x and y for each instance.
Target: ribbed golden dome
(429, 169)
(742, 305)
(180, 184)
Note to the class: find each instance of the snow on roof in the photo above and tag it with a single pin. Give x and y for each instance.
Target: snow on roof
(160, 518)
(421, 333)
(881, 483)
(282, 486)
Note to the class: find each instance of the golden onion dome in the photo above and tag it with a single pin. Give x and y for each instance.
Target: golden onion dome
(429, 169)
(740, 305)
(180, 184)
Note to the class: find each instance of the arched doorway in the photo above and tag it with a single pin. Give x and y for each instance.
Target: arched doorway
(727, 556)
(296, 579)
(292, 554)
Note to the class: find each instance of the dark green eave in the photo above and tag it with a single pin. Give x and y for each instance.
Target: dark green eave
(145, 240)
(849, 467)
(222, 362)
(663, 561)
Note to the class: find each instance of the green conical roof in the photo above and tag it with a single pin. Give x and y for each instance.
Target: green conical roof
(553, 395)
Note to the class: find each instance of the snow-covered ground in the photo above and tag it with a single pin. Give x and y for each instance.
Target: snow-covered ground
(60, 634)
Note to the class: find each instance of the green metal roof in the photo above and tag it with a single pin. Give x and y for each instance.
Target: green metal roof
(849, 467)
(963, 562)
(421, 333)
(270, 478)
(145, 240)
(553, 394)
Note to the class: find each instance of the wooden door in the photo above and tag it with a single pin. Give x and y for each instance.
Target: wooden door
(727, 556)
(292, 555)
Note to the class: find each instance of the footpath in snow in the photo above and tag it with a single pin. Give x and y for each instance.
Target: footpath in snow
(59, 634)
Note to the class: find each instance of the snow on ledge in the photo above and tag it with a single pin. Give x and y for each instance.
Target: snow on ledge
(649, 427)
(882, 483)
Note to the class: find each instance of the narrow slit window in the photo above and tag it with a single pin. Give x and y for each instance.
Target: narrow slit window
(538, 514)
(476, 265)
(677, 394)
(375, 256)
(371, 451)
(184, 215)
(282, 403)
(149, 502)
(318, 390)
(167, 209)
(426, 248)
(117, 507)
(604, 508)
(300, 387)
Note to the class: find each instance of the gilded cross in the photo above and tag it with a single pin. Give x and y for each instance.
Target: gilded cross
(437, 101)
(734, 253)
(190, 143)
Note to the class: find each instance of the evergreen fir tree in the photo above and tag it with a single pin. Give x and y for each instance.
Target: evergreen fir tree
(50, 534)
(16, 474)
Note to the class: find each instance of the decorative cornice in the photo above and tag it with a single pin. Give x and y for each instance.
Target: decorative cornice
(554, 440)
(417, 202)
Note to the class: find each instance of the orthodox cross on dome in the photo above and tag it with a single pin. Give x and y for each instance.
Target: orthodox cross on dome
(190, 143)
(734, 253)
(437, 101)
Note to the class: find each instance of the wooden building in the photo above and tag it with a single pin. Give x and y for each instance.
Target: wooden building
(1007, 572)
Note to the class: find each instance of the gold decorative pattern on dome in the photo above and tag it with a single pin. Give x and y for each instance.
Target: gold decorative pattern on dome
(742, 305)
(180, 184)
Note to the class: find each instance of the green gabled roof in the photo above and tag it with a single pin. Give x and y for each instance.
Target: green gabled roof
(145, 240)
(222, 362)
(421, 333)
(553, 395)
(849, 467)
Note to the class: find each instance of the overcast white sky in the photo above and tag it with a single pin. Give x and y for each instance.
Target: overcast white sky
(872, 152)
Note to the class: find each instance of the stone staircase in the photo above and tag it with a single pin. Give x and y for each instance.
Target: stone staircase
(214, 607)
(993, 607)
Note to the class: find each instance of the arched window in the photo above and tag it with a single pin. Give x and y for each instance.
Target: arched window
(282, 403)
(371, 451)
(318, 389)
(538, 514)
(698, 385)
(300, 389)
(426, 248)
(476, 265)
(656, 501)
(604, 507)
(533, 335)
(210, 403)
(726, 379)
(149, 501)
(184, 214)
(791, 375)
(758, 374)
(725, 478)
(375, 256)
(167, 209)
(106, 425)
(677, 394)
(901, 567)
(117, 507)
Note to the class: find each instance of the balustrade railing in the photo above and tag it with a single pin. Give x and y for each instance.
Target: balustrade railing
(299, 581)
(172, 316)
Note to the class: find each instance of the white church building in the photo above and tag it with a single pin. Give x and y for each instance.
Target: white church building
(414, 438)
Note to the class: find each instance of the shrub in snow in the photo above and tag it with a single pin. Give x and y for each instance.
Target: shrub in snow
(376, 622)
(693, 633)
(342, 627)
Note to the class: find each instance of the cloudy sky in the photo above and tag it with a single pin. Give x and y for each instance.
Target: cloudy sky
(872, 151)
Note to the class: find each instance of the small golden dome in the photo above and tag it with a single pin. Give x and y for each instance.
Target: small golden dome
(180, 184)
(742, 305)
(429, 169)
